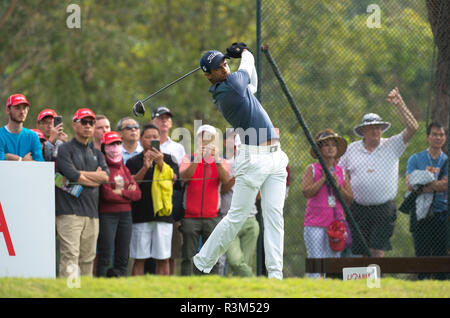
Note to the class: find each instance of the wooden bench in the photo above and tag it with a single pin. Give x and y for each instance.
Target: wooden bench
(387, 264)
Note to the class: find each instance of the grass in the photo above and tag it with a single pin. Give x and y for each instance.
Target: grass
(151, 286)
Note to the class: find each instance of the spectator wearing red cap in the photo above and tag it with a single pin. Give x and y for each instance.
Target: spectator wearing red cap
(115, 210)
(54, 134)
(77, 216)
(18, 143)
(41, 138)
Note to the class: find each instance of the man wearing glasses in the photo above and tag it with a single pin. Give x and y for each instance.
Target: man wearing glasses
(129, 131)
(77, 214)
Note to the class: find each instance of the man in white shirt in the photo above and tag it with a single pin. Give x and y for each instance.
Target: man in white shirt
(372, 164)
(162, 117)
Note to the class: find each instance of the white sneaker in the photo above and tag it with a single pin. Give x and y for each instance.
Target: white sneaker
(196, 262)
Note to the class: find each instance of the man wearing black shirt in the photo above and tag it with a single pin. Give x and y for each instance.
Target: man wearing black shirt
(77, 214)
(151, 235)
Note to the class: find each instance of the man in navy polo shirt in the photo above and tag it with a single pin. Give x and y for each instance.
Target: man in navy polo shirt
(260, 162)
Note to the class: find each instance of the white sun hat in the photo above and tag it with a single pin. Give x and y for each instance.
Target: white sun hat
(370, 120)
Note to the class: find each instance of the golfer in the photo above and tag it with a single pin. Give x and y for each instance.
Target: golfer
(260, 162)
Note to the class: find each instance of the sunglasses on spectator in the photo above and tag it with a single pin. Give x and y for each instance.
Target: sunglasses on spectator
(129, 127)
(85, 121)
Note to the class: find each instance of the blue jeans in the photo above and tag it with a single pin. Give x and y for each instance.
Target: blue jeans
(113, 243)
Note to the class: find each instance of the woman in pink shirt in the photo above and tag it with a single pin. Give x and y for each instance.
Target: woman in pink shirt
(322, 206)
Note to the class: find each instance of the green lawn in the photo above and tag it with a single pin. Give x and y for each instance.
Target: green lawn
(218, 287)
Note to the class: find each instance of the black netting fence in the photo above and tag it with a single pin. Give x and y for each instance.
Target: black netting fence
(341, 61)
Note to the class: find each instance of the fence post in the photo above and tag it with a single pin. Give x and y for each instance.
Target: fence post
(260, 242)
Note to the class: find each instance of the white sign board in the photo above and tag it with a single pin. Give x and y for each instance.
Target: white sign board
(370, 273)
(27, 219)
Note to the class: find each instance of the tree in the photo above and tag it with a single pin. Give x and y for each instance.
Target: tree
(439, 17)
(123, 51)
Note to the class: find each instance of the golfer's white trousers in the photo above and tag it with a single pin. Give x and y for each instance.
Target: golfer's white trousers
(257, 168)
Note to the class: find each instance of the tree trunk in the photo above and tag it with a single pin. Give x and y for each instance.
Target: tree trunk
(439, 17)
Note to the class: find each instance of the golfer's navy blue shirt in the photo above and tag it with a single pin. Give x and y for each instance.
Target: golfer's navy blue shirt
(242, 110)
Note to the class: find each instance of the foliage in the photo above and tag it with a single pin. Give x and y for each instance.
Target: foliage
(123, 51)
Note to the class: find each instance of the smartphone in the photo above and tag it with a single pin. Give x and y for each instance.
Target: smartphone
(57, 120)
(155, 144)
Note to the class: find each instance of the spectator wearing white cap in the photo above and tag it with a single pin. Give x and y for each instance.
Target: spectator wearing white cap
(372, 165)
(18, 143)
(203, 174)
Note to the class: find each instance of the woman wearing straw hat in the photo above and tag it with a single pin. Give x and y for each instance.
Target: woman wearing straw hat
(322, 206)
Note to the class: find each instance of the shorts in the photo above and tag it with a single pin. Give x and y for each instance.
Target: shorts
(376, 223)
(151, 240)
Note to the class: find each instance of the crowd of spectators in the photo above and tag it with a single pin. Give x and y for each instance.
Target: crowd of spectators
(133, 201)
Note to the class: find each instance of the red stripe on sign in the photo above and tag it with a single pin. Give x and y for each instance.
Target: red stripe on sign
(5, 231)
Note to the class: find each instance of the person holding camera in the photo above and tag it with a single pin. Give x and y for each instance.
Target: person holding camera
(155, 173)
(203, 173)
(162, 117)
(51, 125)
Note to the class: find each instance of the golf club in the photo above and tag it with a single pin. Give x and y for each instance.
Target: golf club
(139, 107)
